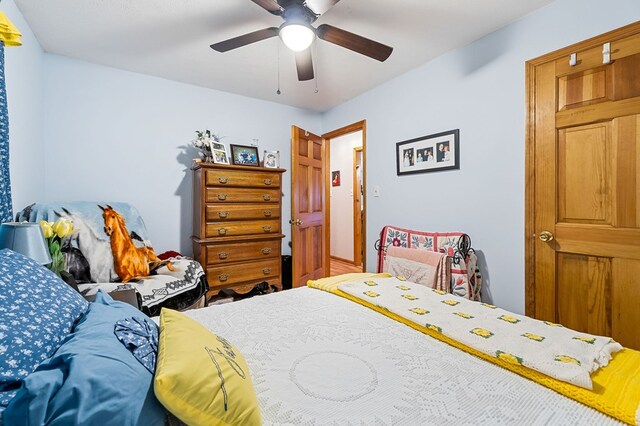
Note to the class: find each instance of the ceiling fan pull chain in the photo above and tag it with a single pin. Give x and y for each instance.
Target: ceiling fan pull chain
(278, 91)
(315, 56)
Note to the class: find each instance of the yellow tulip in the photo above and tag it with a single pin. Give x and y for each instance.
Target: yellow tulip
(63, 227)
(47, 230)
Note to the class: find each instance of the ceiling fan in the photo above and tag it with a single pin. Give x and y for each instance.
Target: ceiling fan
(297, 33)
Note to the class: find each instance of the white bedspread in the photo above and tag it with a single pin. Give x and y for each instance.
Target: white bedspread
(319, 359)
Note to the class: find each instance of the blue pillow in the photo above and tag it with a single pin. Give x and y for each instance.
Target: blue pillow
(92, 379)
(37, 311)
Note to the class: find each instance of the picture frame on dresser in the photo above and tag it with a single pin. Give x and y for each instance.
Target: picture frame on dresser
(244, 155)
(218, 153)
(271, 159)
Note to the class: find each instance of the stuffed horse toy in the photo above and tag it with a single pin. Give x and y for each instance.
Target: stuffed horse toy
(96, 249)
(130, 262)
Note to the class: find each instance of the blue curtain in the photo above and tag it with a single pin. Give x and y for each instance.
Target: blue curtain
(6, 208)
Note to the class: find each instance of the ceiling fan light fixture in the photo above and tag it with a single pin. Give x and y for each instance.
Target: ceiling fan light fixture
(297, 36)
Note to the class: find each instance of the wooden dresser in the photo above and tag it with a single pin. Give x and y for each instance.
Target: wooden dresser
(237, 233)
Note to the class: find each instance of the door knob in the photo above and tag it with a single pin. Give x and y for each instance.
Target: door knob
(546, 236)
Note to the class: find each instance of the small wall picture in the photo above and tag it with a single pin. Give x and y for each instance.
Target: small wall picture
(440, 151)
(335, 178)
(244, 155)
(271, 159)
(219, 153)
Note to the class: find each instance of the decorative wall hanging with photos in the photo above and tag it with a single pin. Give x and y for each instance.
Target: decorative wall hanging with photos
(432, 153)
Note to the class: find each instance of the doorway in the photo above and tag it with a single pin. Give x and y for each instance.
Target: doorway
(346, 213)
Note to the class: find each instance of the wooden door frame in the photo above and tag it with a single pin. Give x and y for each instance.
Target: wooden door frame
(357, 242)
(342, 131)
(530, 137)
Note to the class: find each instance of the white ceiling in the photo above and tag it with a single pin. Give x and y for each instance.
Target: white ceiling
(171, 38)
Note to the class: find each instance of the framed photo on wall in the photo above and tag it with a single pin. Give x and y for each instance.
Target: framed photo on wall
(244, 155)
(432, 153)
(335, 178)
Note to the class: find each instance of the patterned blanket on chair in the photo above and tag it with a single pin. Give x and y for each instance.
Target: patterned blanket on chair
(109, 248)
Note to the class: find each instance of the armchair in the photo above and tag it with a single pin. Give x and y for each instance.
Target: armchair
(110, 250)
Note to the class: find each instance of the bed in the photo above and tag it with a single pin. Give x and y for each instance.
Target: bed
(314, 358)
(323, 360)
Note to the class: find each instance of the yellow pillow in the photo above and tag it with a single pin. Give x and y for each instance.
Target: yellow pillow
(202, 378)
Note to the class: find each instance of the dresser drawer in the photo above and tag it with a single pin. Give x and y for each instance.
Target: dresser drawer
(249, 227)
(242, 195)
(242, 178)
(227, 275)
(217, 212)
(235, 252)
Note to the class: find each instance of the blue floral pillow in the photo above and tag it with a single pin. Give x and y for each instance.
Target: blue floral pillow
(37, 312)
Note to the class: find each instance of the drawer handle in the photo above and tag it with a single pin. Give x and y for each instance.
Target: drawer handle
(222, 197)
(266, 228)
(266, 271)
(223, 214)
(223, 255)
(222, 231)
(266, 197)
(223, 277)
(223, 179)
(266, 250)
(267, 213)
(267, 181)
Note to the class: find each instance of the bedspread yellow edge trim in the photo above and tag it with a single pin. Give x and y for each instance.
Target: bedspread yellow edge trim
(616, 388)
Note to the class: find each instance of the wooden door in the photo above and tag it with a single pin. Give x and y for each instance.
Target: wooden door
(583, 187)
(307, 207)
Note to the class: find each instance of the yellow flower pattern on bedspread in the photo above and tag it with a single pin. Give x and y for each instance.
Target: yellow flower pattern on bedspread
(513, 338)
(517, 346)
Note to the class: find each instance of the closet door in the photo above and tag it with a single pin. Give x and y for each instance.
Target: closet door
(583, 186)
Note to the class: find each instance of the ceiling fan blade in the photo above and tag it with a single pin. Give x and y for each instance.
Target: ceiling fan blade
(243, 40)
(270, 6)
(354, 42)
(319, 7)
(304, 64)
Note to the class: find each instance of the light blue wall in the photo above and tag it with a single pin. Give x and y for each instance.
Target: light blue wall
(117, 135)
(83, 131)
(480, 90)
(23, 73)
